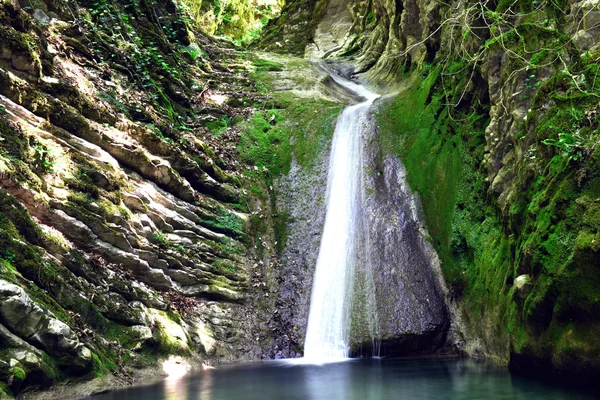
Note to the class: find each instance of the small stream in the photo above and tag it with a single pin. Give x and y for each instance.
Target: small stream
(408, 378)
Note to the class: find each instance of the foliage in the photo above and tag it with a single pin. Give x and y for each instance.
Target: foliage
(240, 20)
(225, 265)
(147, 55)
(570, 145)
(161, 239)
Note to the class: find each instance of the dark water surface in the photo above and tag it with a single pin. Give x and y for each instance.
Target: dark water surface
(415, 378)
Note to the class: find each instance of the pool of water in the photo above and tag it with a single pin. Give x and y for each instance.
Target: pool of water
(411, 379)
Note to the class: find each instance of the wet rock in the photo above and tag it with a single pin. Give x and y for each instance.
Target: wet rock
(523, 286)
(29, 356)
(140, 268)
(300, 194)
(115, 307)
(397, 298)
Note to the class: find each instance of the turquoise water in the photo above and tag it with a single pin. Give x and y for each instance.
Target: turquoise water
(418, 379)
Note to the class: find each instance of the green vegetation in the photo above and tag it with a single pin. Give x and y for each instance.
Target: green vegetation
(266, 143)
(423, 120)
(239, 20)
(493, 214)
(131, 79)
(288, 128)
(225, 265)
(263, 65)
(227, 222)
(161, 239)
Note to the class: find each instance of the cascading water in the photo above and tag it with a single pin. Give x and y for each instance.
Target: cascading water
(327, 331)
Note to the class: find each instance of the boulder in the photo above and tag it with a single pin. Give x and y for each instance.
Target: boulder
(141, 335)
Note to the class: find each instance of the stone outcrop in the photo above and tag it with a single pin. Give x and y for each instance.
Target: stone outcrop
(132, 222)
(399, 295)
(123, 211)
(501, 154)
(29, 321)
(495, 120)
(130, 225)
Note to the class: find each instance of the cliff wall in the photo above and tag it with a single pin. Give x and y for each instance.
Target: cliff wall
(493, 108)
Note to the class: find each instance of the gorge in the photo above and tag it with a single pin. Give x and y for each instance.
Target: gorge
(163, 191)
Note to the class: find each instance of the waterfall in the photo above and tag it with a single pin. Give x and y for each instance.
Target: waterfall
(328, 330)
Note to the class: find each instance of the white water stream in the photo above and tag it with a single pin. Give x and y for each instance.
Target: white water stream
(328, 321)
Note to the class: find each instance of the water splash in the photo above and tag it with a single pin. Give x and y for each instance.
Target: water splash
(328, 321)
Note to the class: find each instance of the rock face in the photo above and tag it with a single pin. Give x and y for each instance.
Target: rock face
(29, 321)
(399, 292)
(295, 28)
(332, 31)
(302, 198)
(127, 227)
(123, 210)
(298, 204)
(495, 120)
(481, 141)
(138, 218)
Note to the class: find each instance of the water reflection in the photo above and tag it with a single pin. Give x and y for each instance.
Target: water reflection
(424, 378)
(174, 390)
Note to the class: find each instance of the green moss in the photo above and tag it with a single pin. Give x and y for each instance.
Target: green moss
(226, 221)
(265, 143)
(5, 391)
(98, 367)
(548, 226)
(231, 247)
(17, 231)
(170, 336)
(15, 143)
(21, 43)
(422, 135)
(50, 368)
(115, 332)
(225, 266)
(218, 127)
(97, 209)
(105, 360)
(262, 65)
(19, 375)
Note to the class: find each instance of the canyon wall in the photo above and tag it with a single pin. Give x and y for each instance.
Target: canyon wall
(136, 219)
(492, 108)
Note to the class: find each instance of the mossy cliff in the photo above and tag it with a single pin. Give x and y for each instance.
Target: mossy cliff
(137, 158)
(163, 193)
(495, 116)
